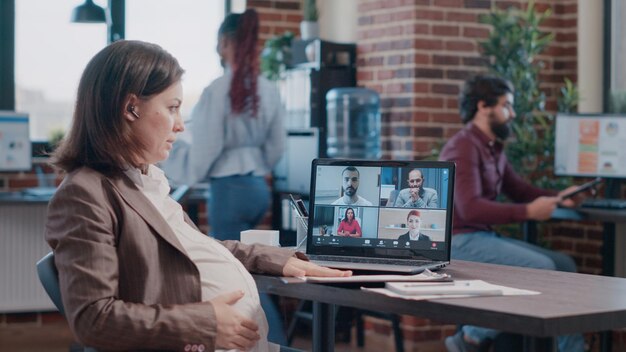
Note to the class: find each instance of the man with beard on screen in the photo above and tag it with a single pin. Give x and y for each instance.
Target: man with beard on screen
(417, 196)
(482, 174)
(350, 184)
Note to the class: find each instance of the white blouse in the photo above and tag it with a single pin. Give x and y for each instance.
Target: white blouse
(220, 271)
(220, 143)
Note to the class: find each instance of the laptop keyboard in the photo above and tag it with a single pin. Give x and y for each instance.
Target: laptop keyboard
(334, 258)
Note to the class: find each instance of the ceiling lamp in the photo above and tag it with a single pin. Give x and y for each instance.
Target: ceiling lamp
(88, 13)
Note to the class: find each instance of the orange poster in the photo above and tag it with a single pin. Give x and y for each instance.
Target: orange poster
(589, 132)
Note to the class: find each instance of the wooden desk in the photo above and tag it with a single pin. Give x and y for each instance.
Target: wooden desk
(569, 303)
(613, 250)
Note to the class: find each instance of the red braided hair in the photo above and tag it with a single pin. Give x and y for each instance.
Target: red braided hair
(243, 87)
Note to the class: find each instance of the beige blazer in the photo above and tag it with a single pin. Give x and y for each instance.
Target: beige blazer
(126, 281)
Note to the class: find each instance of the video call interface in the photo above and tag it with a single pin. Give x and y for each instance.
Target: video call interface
(380, 207)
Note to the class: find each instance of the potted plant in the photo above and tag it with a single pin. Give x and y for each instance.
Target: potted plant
(309, 27)
(276, 56)
(513, 47)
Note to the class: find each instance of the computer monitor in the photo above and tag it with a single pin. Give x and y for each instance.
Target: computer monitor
(15, 146)
(590, 145)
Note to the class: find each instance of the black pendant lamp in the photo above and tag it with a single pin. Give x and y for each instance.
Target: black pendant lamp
(88, 13)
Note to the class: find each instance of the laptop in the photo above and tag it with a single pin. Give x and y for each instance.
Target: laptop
(380, 216)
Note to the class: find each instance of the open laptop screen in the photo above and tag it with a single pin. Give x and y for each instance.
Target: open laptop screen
(385, 209)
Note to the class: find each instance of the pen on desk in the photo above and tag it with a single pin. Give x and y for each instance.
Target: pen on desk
(425, 283)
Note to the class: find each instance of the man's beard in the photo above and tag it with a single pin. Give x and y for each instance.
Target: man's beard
(502, 130)
(350, 191)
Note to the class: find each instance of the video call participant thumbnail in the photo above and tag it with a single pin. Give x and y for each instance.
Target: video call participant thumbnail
(413, 223)
(417, 196)
(350, 185)
(349, 225)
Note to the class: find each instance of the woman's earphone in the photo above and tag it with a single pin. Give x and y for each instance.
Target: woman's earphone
(132, 111)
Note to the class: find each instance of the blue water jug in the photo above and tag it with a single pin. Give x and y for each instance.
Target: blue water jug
(353, 123)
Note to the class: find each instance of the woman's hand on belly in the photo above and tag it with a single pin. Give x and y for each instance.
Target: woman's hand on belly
(233, 330)
(298, 267)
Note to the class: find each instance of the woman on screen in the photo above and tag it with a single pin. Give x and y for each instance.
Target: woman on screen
(413, 222)
(349, 226)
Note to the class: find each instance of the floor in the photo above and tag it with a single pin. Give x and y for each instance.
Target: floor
(51, 337)
(56, 337)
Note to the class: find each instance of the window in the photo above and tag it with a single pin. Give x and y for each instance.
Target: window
(51, 52)
(188, 30)
(50, 55)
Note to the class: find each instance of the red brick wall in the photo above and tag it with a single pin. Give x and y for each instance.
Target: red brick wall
(277, 17)
(417, 54)
(20, 180)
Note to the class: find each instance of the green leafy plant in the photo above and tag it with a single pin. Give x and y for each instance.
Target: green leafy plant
(309, 11)
(276, 56)
(513, 46)
(570, 96)
(55, 137)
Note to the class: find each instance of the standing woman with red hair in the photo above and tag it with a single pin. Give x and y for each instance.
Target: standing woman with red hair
(237, 133)
(237, 136)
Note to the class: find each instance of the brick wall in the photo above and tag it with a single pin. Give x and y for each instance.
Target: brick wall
(277, 17)
(20, 180)
(417, 54)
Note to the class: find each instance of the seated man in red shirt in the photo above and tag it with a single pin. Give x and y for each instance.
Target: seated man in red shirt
(482, 174)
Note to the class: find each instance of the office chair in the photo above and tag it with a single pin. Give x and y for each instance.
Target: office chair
(49, 277)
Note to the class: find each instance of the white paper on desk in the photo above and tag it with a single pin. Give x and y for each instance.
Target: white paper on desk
(425, 276)
(449, 291)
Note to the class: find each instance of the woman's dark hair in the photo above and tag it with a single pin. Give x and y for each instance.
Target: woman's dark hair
(100, 137)
(243, 31)
(414, 213)
(482, 87)
(345, 215)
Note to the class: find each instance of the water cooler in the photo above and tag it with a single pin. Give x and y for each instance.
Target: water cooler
(353, 116)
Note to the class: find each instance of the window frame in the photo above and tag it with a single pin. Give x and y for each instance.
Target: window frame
(115, 31)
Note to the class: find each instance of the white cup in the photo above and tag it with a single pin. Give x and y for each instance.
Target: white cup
(267, 237)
